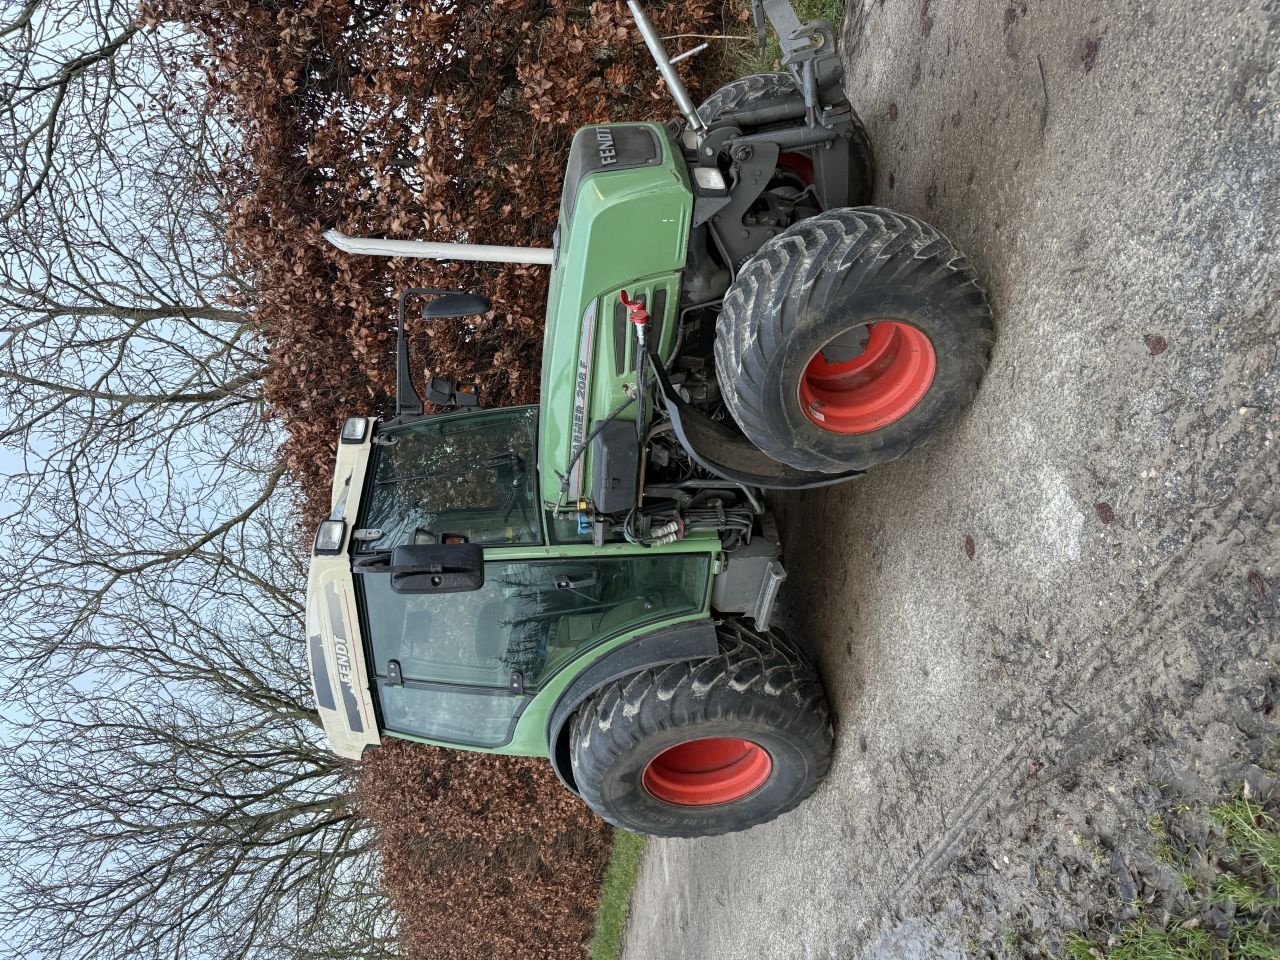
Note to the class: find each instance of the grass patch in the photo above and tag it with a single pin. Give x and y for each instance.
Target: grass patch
(615, 895)
(745, 58)
(736, 58)
(1252, 832)
(1248, 876)
(1255, 840)
(1244, 894)
(1145, 941)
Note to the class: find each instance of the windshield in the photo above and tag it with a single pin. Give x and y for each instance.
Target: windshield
(470, 475)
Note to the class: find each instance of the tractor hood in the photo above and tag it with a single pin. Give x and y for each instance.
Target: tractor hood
(624, 225)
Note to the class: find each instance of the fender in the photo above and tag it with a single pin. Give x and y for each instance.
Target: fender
(686, 641)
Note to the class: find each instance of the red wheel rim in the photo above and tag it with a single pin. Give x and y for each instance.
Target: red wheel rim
(875, 388)
(708, 771)
(800, 164)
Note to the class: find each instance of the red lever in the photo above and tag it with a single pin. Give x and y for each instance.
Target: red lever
(636, 312)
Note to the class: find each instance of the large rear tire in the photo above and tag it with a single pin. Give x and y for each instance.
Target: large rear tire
(707, 747)
(750, 91)
(851, 338)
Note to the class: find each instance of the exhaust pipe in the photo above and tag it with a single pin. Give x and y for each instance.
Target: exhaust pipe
(370, 247)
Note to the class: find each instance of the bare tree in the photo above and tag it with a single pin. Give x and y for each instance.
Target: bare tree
(72, 72)
(122, 321)
(176, 795)
(167, 788)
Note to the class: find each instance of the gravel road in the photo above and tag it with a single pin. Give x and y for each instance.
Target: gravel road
(1067, 605)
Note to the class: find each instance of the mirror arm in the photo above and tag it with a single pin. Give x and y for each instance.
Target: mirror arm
(407, 400)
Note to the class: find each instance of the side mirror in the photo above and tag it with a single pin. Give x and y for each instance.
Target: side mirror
(456, 305)
(446, 304)
(437, 568)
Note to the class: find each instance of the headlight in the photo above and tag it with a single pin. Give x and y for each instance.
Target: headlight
(354, 429)
(709, 179)
(329, 536)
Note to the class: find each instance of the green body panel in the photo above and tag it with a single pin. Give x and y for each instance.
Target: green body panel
(530, 736)
(629, 230)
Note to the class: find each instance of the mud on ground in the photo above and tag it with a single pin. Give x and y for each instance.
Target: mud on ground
(1063, 614)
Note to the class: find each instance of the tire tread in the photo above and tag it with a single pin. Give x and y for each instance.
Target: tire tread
(756, 674)
(853, 250)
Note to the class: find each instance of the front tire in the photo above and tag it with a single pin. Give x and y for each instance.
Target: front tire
(707, 747)
(851, 338)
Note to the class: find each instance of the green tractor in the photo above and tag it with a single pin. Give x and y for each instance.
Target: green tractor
(594, 579)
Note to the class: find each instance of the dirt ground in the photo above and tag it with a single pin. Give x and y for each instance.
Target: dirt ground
(1063, 614)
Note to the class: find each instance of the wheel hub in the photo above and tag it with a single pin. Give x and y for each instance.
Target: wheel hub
(707, 771)
(849, 390)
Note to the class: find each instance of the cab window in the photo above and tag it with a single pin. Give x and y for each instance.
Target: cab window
(470, 476)
(530, 617)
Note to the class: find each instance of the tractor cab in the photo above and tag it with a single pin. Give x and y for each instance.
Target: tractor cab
(438, 611)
